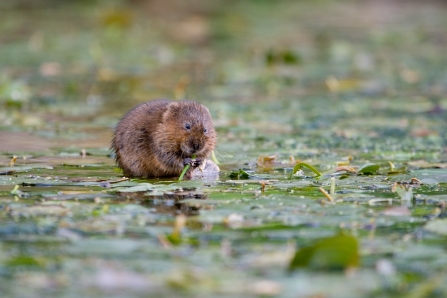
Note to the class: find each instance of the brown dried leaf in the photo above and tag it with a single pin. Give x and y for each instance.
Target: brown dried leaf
(266, 161)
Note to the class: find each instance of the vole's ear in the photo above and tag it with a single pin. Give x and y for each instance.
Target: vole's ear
(173, 110)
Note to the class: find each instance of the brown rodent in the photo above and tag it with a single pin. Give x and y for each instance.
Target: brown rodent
(158, 138)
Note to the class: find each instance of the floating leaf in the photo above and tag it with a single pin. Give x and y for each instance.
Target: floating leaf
(20, 169)
(369, 168)
(241, 174)
(333, 253)
(144, 187)
(141, 188)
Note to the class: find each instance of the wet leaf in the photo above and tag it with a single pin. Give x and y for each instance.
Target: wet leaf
(144, 187)
(241, 174)
(19, 169)
(369, 169)
(332, 253)
(301, 165)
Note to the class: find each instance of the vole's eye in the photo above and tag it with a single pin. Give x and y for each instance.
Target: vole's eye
(205, 130)
(188, 126)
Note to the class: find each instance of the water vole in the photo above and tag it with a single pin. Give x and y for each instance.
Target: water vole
(158, 138)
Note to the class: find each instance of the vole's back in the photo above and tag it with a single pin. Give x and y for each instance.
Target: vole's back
(133, 139)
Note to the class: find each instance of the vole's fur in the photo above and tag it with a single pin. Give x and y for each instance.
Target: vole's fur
(157, 138)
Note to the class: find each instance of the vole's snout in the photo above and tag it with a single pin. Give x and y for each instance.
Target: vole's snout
(196, 146)
(192, 147)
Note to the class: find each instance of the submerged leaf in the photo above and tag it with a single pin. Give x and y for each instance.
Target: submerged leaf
(333, 253)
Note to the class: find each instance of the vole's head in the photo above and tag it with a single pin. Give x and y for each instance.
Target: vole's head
(189, 127)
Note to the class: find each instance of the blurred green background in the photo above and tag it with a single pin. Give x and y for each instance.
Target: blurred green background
(64, 63)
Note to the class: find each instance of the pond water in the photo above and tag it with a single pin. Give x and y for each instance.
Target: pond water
(356, 90)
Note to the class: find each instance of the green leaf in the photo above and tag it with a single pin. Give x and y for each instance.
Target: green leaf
(333, 253)
(369, 168)
(241, 174)
(23, 261)
(301, 165)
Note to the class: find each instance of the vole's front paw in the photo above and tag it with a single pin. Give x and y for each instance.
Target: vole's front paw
(208, 170)
(196, 162)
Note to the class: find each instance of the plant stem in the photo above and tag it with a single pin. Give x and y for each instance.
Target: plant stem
(185, 169)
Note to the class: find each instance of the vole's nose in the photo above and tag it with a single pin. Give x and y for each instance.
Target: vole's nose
(196, 146)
